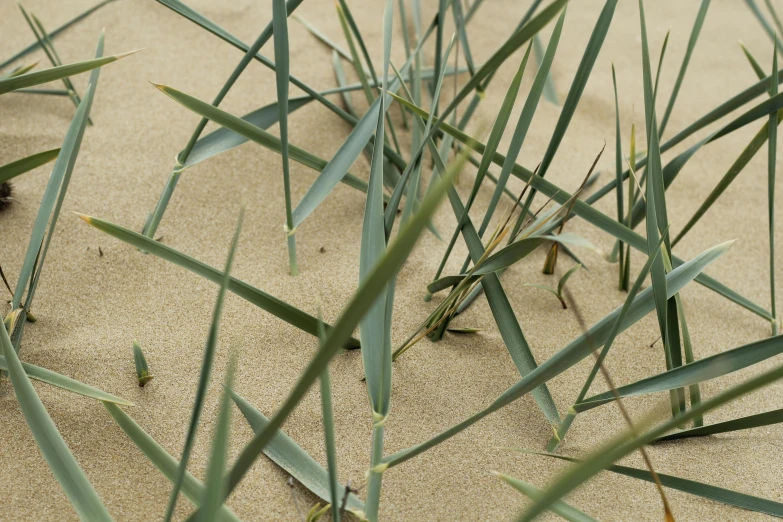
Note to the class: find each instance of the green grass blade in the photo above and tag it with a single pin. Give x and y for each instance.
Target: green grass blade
(273, 305)
(743, 423)
(11, 170)
(702, 13)
(323, 38)
(205, 373)
(56, 73)
(395, 256)
(660, 67)
(693, 390)
(142, 369)
(33, 46)
(287, 454)
(702, 370)
(764, 23)
(771, 165)
(566, 511)
(329, 436)
(618, 164)
(460, 23)
(58, 456)
(726, 496)
(215, 483)
(550, 93)
(577, 350)
(192, 488)
(628, 443)
(339, 75)
(66, 383)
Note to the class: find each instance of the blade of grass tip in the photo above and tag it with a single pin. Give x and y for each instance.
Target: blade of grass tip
(660, 66)
(20, 70)
(771, 162)
(10, 170)
(215, 483)
(55, 73)
(575, 92)
(607, 345)
(764, 24)
(625, 444)
(702, 370)
(550, 93)
(280, 28)
(375, 326)
(286, 453)
(142, 369)
(656, 218)
(743, 423)
(726, 496)
(266, 302)
(329, 433)
(566, 511)
(72, 148)
(694, 37)
(585, 210)
(192, 488)
(693, 390)
(395, 255)
(204, 375)
(571, 354)
(619, 176)
(493, 141)
(33, 46)
(753, 62)
(58, 456)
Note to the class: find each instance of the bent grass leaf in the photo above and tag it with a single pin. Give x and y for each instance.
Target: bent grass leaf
(566, 511)
(743, 423)
(10, 170)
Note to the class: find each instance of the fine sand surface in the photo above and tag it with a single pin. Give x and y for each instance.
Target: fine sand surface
(90, 307)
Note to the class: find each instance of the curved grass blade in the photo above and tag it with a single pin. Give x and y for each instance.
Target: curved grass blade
(58, 456)
(33, 46)
(577, 350)
(11, 170)
(566, 511)
(772, 148)
(743, 423)
(56, 73)
(204, 375)
(273, 305)
(702, 370)
(66, 383)
(550, 93)
(586, 211)
(287, 454)
(192, 488)
(726, 496)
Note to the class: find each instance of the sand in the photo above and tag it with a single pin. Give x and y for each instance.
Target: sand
(90, 307)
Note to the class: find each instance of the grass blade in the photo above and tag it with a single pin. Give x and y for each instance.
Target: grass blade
(142, 370)
(287, 454)
(550, 93)
(702, 370)
(566, 511)
(10, 170)
(743, 423)
(280, 28)
(204, 375)
(273, 305)
(58, 456)
(771, 163)
(56, 73)
(327, 413)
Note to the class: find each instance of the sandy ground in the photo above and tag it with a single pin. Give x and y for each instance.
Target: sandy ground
(90, 307)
